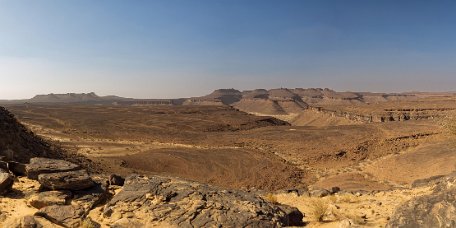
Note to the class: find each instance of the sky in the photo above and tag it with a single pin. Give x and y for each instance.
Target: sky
(183, 48)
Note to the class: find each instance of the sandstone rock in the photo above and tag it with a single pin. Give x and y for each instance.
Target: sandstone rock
(39, 166)
(435, 210)
(89, 223)
(133, 223)
(346, 223)
(63, 215)
(320, 193)
(49, 198)
(6, 182)
(72, 180)
(156, 201)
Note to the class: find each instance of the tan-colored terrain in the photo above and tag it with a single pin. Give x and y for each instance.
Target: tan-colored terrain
(387, 147)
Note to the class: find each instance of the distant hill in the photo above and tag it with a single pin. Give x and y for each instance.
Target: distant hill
(65, 98)
(70, 98)
(272, 102)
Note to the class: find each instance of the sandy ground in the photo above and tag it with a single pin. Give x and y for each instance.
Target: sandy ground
(366, 210)
(14, 205)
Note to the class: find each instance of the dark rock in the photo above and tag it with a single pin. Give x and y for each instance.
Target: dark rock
(341, 153)
(72, 180)
(39, 166)
(4, 166)
(116, 180)
(437, 209)
(156, 200)
(6, 182)
(335, 190)
(44, 199)
(63, 215)
(17, 168)
(293, 216)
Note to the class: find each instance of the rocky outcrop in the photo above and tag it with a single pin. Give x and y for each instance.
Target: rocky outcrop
(435, 210)
(39, 166)
(149, 201)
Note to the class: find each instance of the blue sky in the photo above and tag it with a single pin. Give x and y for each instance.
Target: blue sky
(182, 48)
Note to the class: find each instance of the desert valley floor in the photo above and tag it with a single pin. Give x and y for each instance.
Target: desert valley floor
(380, 153)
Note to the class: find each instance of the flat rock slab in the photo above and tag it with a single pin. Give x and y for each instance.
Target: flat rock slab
(154, 201)
(66, 215)
(39, 166)
(6, 182)
(72, 180)
(44, 199)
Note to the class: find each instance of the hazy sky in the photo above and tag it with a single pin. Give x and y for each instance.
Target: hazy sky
(181, 48)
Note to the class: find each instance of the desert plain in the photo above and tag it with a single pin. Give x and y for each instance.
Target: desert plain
(342, 158)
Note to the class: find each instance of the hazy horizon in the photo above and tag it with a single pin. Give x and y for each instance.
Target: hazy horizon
(172, 49)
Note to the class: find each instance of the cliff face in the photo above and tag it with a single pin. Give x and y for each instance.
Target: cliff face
(388, 115)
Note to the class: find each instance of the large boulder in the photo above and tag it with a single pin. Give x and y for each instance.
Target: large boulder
(154, 201)
(44, 199)
(39, 166)
(72, 180)
(6, 182)
(435, 210)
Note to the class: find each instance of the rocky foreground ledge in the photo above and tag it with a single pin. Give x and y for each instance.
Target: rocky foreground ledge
(63, 194)
(437, 209)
